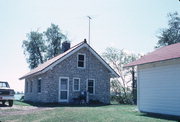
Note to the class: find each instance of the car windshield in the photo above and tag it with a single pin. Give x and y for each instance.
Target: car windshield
(4, 84)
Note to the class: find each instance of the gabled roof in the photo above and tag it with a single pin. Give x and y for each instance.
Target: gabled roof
(42, 68)
(161, 54)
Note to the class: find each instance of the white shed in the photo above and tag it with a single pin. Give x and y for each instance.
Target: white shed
(158, 81)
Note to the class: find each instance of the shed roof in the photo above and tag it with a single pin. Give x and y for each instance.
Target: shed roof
(54, 61)
(160, 54)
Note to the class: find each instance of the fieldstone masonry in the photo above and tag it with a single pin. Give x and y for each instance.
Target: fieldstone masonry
(68, 68)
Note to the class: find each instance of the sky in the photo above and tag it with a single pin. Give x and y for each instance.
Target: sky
(123, 24)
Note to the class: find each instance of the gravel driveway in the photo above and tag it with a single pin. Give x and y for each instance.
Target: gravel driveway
(21, 110)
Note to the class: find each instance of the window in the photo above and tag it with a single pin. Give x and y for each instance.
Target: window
(27, 86)
(81, 60)
(91, 86)
(4, 84)
(76, 84)
(39, 85)
(31, 85)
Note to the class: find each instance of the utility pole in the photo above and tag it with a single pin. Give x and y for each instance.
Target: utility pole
(89, 18)
(134, 86)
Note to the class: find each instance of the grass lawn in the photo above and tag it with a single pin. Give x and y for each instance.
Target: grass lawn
(21, 103)
(108, 113)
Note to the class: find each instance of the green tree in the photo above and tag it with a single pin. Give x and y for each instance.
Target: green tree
(54, 38)
(34, 48)
(122, 87)
(40, 47)
(170, 35)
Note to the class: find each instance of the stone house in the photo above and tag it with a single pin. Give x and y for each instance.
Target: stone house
(64, 77)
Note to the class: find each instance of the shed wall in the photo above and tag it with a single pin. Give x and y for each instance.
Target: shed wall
(159, 87)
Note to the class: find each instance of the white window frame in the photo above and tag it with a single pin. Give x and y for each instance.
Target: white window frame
(93, 86)
(38, 86)
(79, 84)
(84, 60)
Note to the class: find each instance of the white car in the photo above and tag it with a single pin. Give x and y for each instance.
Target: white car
(6, 94)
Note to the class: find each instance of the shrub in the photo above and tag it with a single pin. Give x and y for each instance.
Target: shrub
(95, 102)
(123, 99)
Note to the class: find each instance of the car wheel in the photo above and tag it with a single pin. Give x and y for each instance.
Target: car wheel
(10, 103)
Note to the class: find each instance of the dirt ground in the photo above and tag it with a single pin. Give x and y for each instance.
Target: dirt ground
(21, 110)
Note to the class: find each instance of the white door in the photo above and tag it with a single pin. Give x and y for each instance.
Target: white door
(63, 89)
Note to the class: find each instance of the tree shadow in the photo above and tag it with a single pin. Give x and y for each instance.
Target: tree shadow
(161, 116)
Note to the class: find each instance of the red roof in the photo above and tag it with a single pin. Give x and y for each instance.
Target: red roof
(161, 54)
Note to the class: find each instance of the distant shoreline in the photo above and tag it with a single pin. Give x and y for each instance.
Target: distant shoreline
(18, 96)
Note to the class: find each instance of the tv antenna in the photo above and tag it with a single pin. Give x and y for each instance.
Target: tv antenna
(87, 96)
(89, 18)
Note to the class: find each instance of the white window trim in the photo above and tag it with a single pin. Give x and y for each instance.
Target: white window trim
(79, 84)
(93, 86)
(84, 60)
(67, 90)
(41, 86)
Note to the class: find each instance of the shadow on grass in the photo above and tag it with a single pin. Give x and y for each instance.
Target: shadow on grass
(59, 104)
(161, 116)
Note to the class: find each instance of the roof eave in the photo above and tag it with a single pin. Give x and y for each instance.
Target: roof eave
(115, 75)
(136, 64)
(127, 66)
(27, 76)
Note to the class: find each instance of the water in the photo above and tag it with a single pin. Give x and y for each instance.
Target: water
(18, 96)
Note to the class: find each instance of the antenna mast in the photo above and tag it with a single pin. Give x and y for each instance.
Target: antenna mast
(88, 53)
(89, 18)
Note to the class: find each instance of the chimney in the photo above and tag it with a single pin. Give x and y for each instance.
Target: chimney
(85, 41)
(66, 46)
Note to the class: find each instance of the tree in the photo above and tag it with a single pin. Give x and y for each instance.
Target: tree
(170, 35)
(122, 87)
(54, 37)
(34, 48)
(40, 47)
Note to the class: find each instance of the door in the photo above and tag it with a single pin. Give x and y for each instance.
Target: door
(63, 89)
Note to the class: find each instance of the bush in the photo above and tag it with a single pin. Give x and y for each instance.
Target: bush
(95, 102)
(122, 99)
